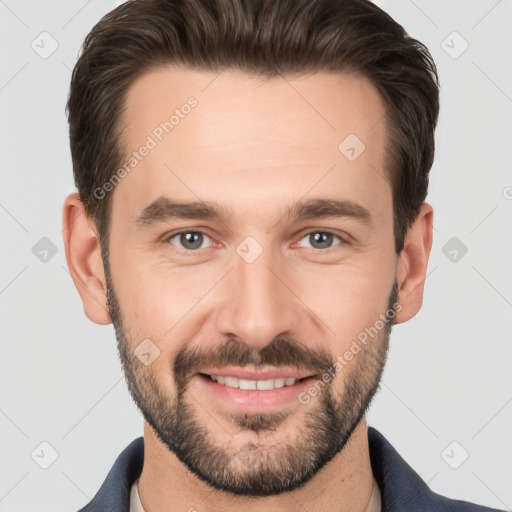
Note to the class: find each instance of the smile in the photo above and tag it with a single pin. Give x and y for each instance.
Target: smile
(261, 385)
(252, 395)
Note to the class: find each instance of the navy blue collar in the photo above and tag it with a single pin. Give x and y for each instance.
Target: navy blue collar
(401, 488)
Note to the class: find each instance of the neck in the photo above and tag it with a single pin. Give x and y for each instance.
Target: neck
(343, 485)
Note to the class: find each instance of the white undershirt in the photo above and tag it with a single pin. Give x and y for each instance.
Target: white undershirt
(136, 506)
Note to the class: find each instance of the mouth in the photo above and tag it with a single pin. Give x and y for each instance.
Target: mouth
(253, 395)
(254, 384)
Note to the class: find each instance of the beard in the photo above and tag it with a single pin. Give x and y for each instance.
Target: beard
(253, 468)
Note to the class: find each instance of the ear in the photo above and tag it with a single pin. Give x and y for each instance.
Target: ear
(412, 264)
(83, 255)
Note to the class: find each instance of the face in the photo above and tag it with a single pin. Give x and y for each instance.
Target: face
(284, 262)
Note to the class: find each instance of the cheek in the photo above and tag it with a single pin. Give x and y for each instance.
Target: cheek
(349, 299)
(156, 299)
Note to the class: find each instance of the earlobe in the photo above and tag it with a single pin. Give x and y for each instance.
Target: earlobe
(413, 263)
(83, 256)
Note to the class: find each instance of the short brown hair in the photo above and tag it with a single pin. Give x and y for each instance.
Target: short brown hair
(260, 37)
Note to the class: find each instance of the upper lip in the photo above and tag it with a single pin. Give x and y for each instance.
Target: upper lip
(279, 373)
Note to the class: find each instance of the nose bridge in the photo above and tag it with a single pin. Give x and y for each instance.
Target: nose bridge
(257, 305)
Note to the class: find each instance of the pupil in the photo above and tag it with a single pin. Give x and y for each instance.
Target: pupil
(191, 240)
(321, 238)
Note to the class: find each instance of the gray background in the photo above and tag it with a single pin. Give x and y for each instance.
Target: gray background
(447, 388)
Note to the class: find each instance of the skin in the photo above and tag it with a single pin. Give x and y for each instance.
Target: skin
(256, 146)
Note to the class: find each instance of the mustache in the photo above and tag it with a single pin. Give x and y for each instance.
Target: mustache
(280, 352)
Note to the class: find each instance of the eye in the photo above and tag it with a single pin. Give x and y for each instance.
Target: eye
(321, 239)
(192, 241)
(189, 240)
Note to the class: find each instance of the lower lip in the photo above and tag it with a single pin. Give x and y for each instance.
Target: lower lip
(256, 400)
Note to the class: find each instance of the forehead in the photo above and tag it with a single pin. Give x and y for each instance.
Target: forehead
(263, 139)
(330, 103)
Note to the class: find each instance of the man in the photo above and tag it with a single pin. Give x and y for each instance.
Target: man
(252, 177)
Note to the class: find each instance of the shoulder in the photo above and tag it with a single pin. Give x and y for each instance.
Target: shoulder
(402, 489)
(114, 494)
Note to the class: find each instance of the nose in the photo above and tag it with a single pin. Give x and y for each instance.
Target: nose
(260, 300)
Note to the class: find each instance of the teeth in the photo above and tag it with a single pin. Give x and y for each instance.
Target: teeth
(261, 385)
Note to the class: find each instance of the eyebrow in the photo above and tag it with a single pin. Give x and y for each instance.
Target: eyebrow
(163, 209)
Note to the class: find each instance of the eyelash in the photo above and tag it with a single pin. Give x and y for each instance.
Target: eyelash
(168, 238)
